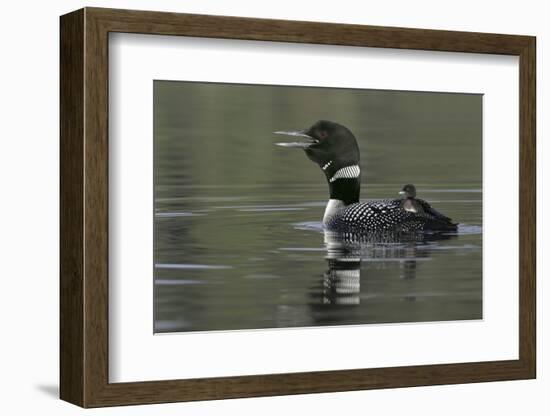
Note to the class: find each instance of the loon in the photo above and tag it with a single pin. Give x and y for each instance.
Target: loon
(334, 149)
(411, 203)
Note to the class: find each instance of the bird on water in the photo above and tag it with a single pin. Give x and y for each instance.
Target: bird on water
(411, 203)
(334, 149)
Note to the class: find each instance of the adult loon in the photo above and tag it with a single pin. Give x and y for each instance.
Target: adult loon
(334, 148)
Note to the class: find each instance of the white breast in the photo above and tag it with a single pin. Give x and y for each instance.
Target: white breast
(333, 206)
(409, 206)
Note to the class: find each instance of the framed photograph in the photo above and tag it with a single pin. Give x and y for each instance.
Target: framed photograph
(255, 207)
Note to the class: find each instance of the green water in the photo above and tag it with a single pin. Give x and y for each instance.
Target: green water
(238, 242)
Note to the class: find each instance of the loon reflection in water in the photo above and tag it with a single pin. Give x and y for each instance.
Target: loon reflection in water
(334, 148)
(348, 254)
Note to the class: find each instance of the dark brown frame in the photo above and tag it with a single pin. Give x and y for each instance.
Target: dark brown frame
(84, 210)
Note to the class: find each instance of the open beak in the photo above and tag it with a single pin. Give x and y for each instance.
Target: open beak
(307, 142)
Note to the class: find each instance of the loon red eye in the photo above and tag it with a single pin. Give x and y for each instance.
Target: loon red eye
(322, 134)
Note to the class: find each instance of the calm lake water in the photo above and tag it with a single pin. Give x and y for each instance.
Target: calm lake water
(238, 238)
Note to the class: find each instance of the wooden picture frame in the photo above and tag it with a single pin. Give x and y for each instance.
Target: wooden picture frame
(84, 207)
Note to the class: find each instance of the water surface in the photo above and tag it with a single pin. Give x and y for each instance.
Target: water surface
(238, 241)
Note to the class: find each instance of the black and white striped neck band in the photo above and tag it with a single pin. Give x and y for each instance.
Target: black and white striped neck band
(347, 172)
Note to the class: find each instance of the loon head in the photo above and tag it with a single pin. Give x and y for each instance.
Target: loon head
(334, 149)
(330, 145)
(408, 191)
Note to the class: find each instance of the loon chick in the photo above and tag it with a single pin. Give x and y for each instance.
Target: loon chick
(411, 203)
(334, 149)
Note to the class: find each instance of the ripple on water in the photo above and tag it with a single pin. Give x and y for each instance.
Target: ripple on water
(309, 226)
(262, 276)
(177, 282)
(177, 214)
(323, 249)
(432, 247)
(187, 266)
(271, 209)
(466, 229)
(463, 229)
(452, 191)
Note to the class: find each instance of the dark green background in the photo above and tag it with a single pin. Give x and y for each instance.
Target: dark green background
(225, 196)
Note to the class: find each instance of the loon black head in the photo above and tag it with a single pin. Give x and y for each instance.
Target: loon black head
(334, 148)
(326, 143)
(408, 191)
